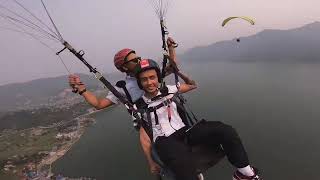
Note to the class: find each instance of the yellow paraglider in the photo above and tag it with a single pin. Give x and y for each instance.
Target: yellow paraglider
(235, 17)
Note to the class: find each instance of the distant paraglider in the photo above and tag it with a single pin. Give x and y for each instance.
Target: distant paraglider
(227, 20)
(235, 17)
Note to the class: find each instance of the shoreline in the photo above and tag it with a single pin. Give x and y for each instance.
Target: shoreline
(65, 135)
(48, 160)
(84, 122)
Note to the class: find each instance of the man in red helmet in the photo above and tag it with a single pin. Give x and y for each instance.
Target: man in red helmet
(125, 61)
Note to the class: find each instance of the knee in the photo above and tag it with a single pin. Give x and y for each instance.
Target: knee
(183, 169)
(229, 132)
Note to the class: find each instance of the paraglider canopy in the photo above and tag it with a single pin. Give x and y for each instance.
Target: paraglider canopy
(237, 17)
(240, 17)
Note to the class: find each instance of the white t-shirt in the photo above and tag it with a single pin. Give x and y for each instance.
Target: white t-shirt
(165, 127)
(132, 87)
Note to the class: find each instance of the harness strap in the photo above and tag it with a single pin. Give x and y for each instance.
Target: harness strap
(131, 110)
(164, 103)
(150, 125)
(187, 118)
(156, 117)
(183, 101)
(190, 121)
(154, 110)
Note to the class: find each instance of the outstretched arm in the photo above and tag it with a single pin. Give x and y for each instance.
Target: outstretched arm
(98, 103)
(75, 83)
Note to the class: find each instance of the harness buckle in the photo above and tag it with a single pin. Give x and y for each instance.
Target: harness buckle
(167, 102)
(158, 126)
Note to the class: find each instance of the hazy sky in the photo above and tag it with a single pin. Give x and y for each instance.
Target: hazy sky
(102, 27)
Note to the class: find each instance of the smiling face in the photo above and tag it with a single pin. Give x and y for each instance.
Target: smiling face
(149, 81)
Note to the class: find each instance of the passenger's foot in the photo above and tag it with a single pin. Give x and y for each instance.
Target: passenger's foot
(239, 176)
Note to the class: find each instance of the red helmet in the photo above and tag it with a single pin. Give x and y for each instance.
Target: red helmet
(121, 57)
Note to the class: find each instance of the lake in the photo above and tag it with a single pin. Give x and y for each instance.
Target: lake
(273, 106)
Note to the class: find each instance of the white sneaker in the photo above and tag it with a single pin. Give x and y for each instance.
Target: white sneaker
(239, 176)
(200, 176)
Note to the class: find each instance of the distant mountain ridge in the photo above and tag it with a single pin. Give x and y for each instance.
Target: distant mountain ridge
(44, 91)
(295, 45)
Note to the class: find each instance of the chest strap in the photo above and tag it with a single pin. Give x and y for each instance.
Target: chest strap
(155, 108)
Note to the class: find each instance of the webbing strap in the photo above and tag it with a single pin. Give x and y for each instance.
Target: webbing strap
(164, 103)
(150, 125)
(156, 117)
(189, 120)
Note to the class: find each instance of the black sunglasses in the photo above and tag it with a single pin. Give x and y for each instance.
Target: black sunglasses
(134, 60)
